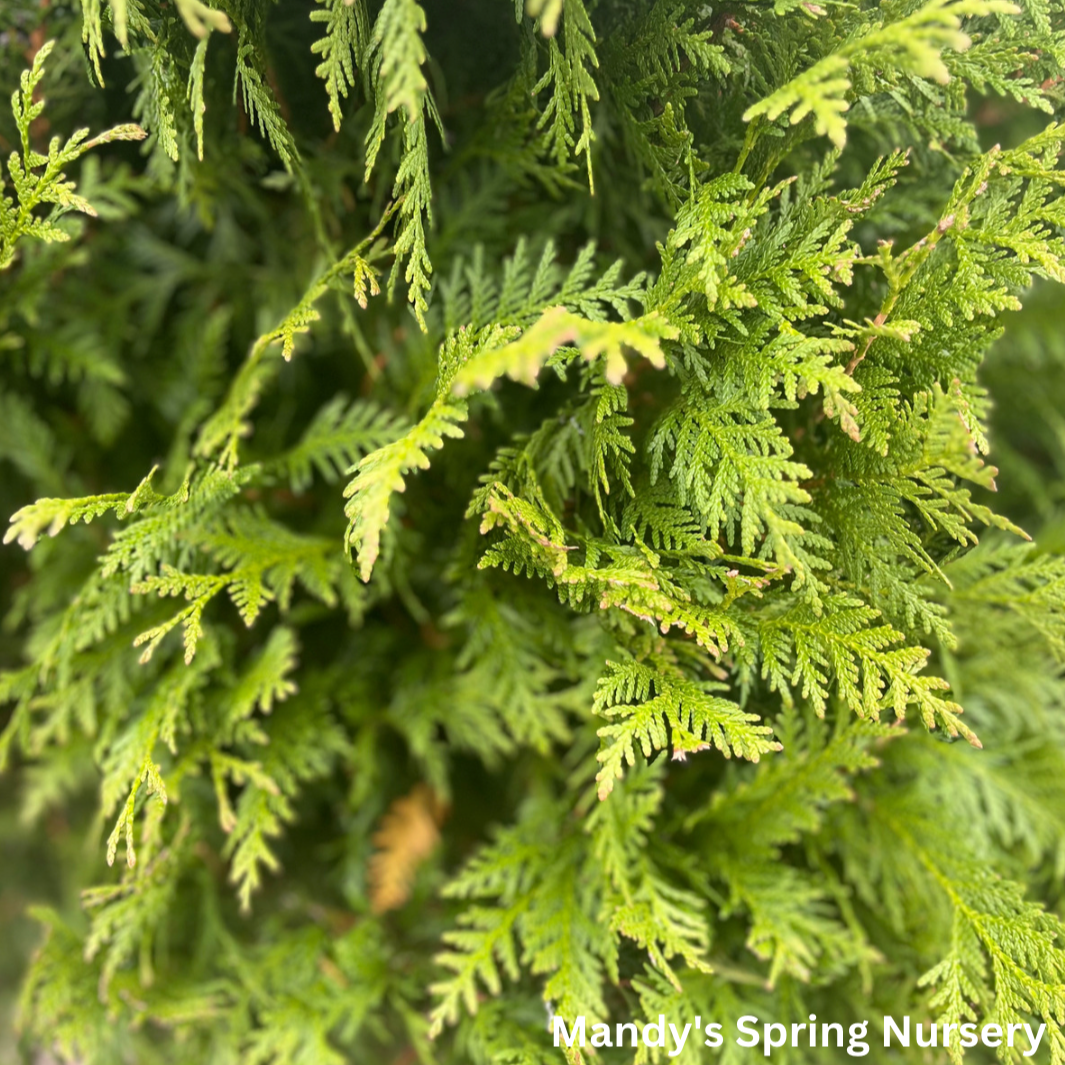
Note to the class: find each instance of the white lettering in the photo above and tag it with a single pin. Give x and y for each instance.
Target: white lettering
(568, 1037)
(1035, 1039)
(678, 1040)
(933, 1039)
(902, 1036)
(751, 1032)
(748, 1030)
(769, 1031)
(659, 1029)
(858, 1047)
(826, 1031)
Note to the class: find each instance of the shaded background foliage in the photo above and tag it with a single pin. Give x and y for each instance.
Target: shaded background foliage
(434, 704)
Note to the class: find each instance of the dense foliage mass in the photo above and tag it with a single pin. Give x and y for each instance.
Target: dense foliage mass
(450, 408)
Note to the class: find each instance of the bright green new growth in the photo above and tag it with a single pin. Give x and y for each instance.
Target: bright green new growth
(587, 630)
(50, 186)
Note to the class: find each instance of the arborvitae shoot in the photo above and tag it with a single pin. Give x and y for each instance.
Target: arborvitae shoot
(502, 527)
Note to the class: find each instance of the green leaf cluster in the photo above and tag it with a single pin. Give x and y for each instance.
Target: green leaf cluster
(617, 590)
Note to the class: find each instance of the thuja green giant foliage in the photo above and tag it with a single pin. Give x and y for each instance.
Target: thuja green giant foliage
(512, 528)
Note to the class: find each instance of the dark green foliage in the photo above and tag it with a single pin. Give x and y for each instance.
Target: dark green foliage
(568, 595)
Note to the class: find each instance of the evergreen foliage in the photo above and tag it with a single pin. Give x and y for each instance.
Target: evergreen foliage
(577, 621)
